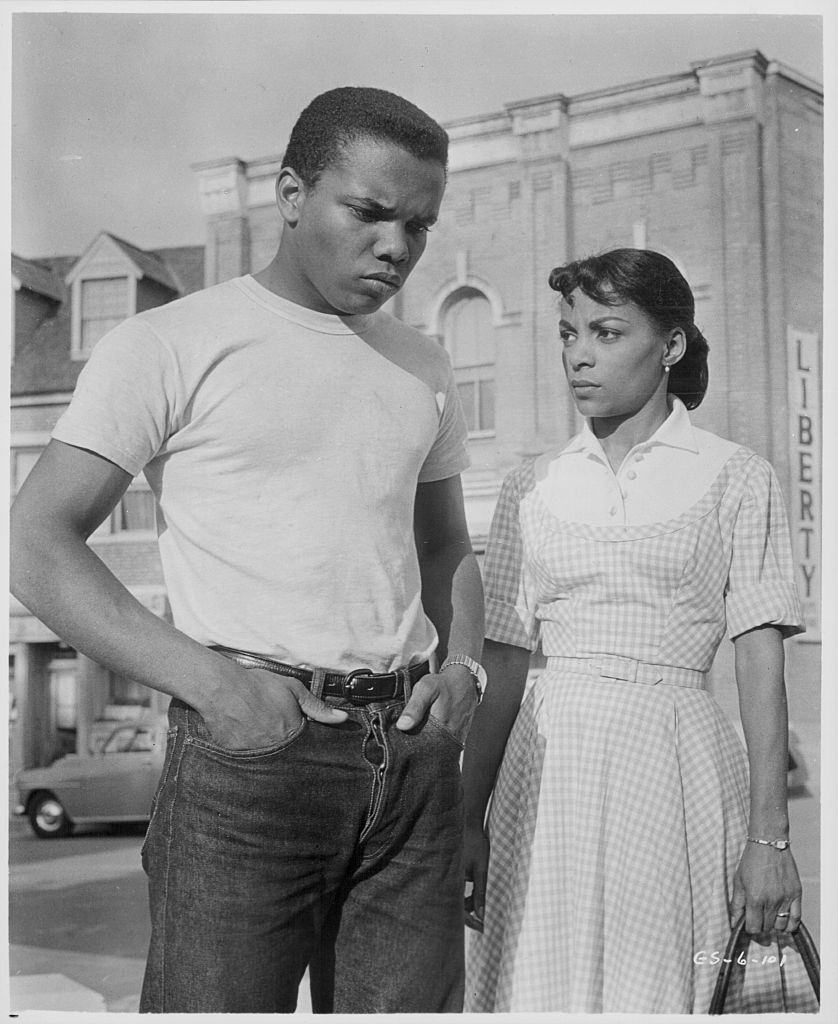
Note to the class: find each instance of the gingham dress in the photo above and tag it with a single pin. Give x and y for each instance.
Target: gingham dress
(620, 810)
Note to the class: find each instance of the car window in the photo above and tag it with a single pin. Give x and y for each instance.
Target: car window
(144, 740)
(121, 740)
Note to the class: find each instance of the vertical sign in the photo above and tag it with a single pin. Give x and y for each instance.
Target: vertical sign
(805, 470)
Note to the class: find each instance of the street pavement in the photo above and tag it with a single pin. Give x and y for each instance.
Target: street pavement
(78, 926)
(78, 921)
(78, 916)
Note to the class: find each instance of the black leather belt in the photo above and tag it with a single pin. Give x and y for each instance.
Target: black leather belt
(359, 686)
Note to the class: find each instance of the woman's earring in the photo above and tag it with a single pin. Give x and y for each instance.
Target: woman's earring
(666, 369)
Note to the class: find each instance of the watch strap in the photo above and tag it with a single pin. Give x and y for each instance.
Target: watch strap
(478, 673)
(778, 844)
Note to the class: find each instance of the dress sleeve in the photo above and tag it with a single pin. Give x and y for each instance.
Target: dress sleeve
(508, 585)
(760, 586)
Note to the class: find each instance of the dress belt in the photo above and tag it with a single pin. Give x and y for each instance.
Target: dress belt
(611, 667)
(360, 686)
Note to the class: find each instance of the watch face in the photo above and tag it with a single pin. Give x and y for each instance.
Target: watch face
(782, 844)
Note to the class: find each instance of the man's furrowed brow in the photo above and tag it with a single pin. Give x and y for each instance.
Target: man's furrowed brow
(373, 206)
(388, 212)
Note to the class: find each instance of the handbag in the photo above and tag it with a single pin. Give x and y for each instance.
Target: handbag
(739, 938)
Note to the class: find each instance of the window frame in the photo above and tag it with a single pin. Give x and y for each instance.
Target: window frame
(15, 481)
(472, 373)
(109, 532)
(77, 349)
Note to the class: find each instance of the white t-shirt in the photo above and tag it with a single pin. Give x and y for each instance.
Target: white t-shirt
(284, 447)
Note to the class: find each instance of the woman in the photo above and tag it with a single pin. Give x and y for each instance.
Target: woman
(624, 835)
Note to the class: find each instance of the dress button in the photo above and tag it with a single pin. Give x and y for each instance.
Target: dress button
(631, 475)
(613, 510)
(638, 457)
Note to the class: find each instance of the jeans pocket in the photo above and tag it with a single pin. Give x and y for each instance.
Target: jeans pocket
(446, 732)
(171, 742)
(199, 736)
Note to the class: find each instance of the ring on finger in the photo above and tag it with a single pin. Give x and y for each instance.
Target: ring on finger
(786, 914)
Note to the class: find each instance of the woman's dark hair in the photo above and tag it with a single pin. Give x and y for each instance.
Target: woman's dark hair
(655, 285)
(336, 118)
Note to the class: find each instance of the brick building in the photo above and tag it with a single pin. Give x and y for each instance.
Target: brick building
(719, 167)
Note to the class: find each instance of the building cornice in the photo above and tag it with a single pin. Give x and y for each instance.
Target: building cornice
(714, 91)
(223, 187)
(717, 89)
(47, 398)
(779, 70)
(29, 438)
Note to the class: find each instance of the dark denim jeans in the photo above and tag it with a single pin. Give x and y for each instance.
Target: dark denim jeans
(338, 849)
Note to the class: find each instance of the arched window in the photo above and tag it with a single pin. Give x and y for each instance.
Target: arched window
(470, 339)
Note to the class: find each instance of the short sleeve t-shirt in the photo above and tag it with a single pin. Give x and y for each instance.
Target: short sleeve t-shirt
(284, 447)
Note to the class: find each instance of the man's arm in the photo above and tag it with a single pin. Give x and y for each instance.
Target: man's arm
(452, 596)
(60, 579)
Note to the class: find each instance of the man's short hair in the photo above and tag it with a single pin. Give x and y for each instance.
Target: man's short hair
(339, 117)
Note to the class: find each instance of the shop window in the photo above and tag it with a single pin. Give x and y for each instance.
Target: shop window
(470, 339)
(124, 692)
(64, 702)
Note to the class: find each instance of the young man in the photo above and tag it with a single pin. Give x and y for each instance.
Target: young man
(305, 450)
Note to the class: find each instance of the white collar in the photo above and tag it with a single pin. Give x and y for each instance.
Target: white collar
(676, 431)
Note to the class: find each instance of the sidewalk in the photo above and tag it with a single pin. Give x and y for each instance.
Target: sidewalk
(63, 980)
(68, 980)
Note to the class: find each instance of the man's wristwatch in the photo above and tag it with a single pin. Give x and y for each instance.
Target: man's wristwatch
(478, 673)
(778, 844)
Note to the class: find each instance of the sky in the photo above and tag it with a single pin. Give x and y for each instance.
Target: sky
(110, 109)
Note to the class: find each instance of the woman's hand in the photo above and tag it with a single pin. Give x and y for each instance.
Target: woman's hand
(476, 861)
(766, 884)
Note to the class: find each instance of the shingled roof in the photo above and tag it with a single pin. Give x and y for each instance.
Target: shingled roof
(38, 277)
(147, 262)
(42, 359)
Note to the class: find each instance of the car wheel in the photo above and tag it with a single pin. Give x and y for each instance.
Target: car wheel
(48, 818)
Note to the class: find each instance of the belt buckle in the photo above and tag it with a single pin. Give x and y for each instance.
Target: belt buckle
(352, 687)
(612, 666)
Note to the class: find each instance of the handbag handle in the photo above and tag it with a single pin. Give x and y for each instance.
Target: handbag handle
(803, 944)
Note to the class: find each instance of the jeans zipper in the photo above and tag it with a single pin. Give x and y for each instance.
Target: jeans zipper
(380, 771)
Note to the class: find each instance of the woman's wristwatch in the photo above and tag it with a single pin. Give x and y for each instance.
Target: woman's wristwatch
(478, 673)
(778, 844)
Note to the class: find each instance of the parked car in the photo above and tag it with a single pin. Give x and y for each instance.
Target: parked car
(114, 784)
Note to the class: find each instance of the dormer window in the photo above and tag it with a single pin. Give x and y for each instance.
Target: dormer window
(104, 304)
(111, 281)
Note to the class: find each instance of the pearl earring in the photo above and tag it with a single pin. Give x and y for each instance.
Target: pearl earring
(666, 369)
